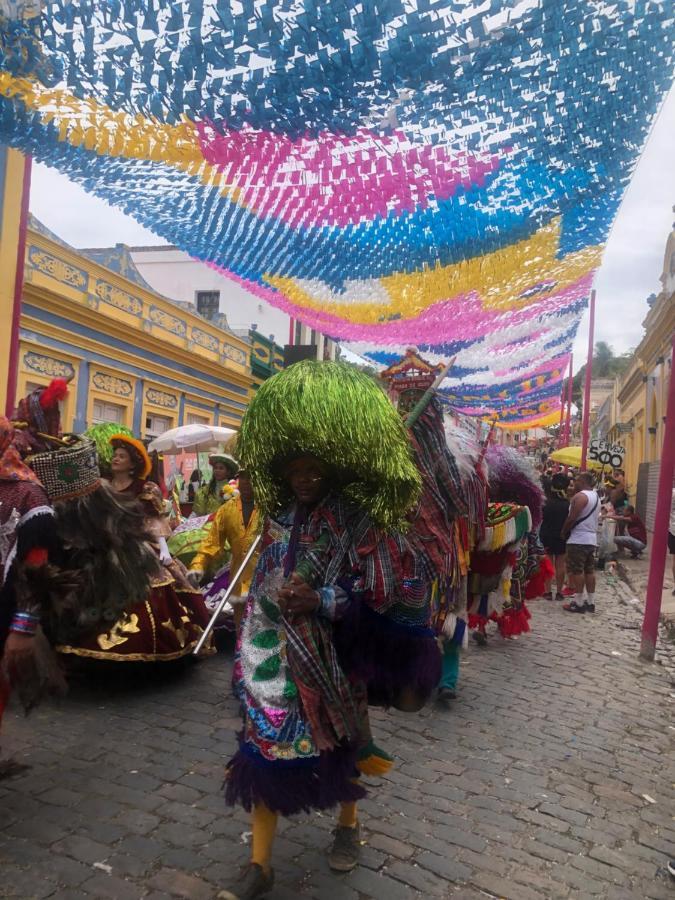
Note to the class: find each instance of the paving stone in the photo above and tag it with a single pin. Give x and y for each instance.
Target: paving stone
(123, 865)
(178, 884)
(180, 835)
(540, 881)
(447, 867)
(103, 885)
(530, 786)
(390, 846)
(428, 884)
(373, 884)
(82, 848)
(598, 870)
(564, 814)
(26, 884)
(501, 887)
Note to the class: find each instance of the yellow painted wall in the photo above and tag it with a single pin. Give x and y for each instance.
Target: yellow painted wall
(38, 366)
(124, 345)
(11, 192)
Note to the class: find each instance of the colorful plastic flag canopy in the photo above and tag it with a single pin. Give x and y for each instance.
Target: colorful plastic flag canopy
(391, 172)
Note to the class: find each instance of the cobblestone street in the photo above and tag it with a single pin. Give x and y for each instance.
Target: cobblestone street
(552, 776)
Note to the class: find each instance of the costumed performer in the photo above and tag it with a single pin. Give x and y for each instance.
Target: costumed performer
(506, 565)
(27, 535)
(236, 525)
(336, 610)
(438, 529)
(210, 497)
(152, 612)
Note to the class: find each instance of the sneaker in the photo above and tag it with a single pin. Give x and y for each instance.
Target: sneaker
(251, 883)
(671, 867)
(346, 850)
(446, 694)
(573, 607)
(590, 607)
(547, 595)
(479, 638)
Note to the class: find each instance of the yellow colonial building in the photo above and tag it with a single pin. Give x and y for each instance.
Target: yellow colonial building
(643, 394)
(134, 357)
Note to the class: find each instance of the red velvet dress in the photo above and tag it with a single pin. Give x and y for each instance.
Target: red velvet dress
(168, 623)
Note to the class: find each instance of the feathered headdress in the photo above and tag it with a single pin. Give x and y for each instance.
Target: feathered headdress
(56, 391)
(37, 417)
(511, 480)
(340, 415)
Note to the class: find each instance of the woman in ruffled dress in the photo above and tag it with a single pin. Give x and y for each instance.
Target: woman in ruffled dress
(167, 623)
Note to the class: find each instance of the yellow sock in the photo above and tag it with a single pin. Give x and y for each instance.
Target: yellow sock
(264, 829)
(347, 817)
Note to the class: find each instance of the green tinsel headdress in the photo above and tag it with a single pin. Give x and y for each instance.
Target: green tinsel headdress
(101, 434)
(339, 415)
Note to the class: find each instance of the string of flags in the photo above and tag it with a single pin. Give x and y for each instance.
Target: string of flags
(441, 173)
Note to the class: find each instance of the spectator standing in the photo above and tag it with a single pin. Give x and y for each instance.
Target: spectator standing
(556, 510)
(194, 485)
(580, 531)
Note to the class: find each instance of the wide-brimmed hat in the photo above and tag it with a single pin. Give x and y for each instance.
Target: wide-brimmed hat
(136, 451)
(69, 472)
(226, 460)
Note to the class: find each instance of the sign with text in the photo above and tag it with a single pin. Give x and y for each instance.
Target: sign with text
(606, 454)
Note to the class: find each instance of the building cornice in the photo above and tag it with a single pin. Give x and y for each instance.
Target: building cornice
(76, 277)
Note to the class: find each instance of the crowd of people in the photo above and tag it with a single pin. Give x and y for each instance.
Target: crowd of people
(587, 522)
(387, 538)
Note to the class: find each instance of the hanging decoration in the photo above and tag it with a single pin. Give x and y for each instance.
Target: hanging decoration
(441, 173)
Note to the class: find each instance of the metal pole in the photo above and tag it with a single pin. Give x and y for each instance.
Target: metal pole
(585, 422)
(657, 562)
(568, 417)
(562, 415)
(226, 597)
(13, 361)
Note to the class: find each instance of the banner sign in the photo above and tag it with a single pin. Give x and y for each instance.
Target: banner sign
(606, 454)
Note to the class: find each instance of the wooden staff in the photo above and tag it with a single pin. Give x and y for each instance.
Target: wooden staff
(425, 399)
(487, 443)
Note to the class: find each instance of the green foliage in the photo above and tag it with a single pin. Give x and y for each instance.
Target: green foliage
(605, 365)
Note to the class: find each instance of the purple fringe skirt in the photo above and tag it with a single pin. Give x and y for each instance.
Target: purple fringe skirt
(289, 787)
(400, 664)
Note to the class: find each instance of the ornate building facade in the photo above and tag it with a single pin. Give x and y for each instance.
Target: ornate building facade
(643, 394)
(134, 357)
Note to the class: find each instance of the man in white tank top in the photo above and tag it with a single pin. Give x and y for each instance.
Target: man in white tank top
(581, 533)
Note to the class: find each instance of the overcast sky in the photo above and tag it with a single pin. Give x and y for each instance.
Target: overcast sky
(632, 263)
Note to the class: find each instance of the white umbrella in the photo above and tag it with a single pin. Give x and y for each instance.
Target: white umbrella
(191, 437)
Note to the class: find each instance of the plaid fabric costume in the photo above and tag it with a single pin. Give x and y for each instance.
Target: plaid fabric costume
(304, 699)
